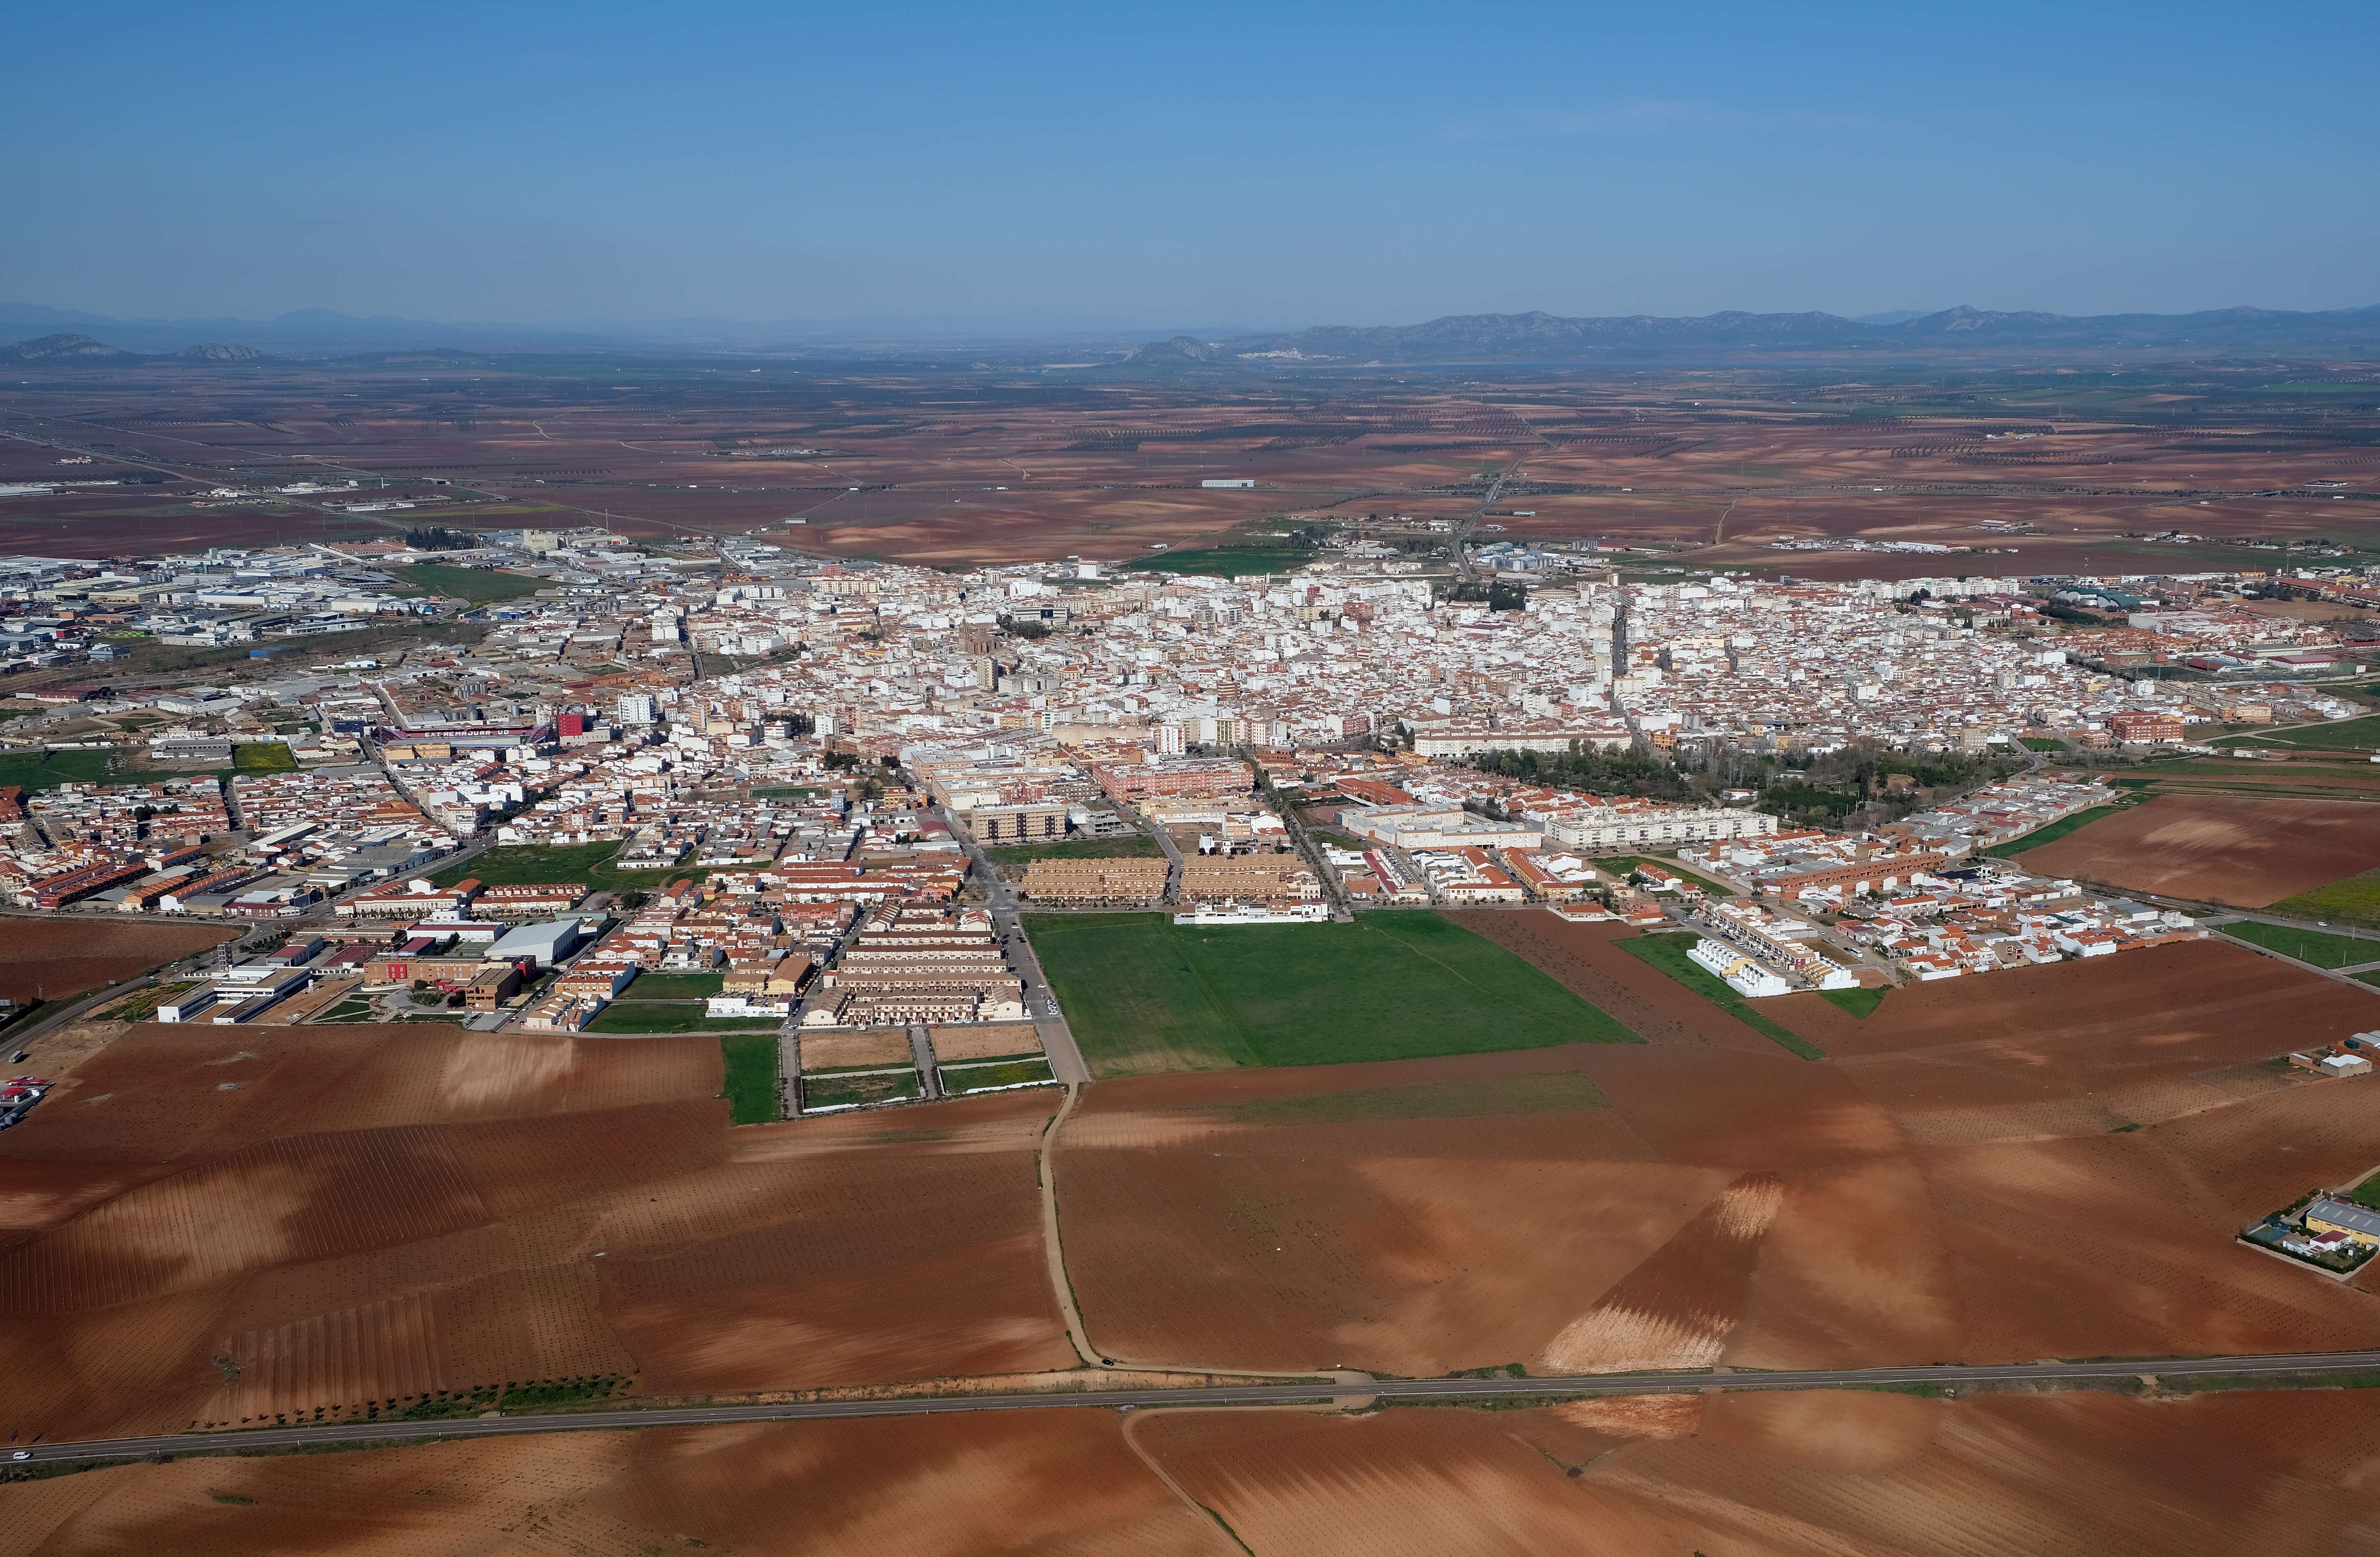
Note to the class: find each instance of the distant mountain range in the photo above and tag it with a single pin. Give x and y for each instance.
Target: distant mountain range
(1966, 332)
(72, 349)
(325, 332)
(65, 337)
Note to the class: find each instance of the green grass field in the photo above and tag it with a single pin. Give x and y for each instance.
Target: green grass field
(2347, 735)
(1667, 952)
(751, 1078)
(1139, 846)
(474, 584)
(846, 1091)
(2306, 946)
(1144, 994)
(958, 1080)
(1860, 1002)
(2050, 834)
(653, 1015)
(263, 757)
(532, 863)
(2356, 898)
(520, 864)
(47, 770)
(2042, 743)
(1231, 562)
(674, 986)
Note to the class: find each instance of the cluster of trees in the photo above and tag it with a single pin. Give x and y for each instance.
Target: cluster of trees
(1501, 594)
(1634, 774)
(438, 538)
(1859, 777)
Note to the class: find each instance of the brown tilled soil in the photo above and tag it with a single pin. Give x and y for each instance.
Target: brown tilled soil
(881, 1046)
(954, 1045)
(57, 959)
(2189, 1002)
(1057, 1482)
(2220, 848)
(2045, 1162)
(207, 1225)
(1587, 960)
(1805, 1474)
(1831, 1474)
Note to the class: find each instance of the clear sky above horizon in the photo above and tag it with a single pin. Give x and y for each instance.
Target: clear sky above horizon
(1226, 164)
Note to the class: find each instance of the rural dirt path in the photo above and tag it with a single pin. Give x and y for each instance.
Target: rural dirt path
(1054, 1252)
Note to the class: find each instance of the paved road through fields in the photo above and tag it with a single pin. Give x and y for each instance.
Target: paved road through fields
(1041, 1001)
(1218, 1395)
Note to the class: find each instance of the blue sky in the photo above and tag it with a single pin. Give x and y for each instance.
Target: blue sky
(1278, 165)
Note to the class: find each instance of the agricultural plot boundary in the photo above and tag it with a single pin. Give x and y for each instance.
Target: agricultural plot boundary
(1143, 995)
(1667, 951)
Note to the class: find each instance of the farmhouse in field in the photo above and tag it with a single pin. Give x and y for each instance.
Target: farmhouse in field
(2343, 1217)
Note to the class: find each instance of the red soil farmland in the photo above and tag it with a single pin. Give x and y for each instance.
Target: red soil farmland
(940, 467)
(1587, 959)
(1058, 1482)
(57, 959)
(353, 1214)
(1414, 1483)
(1411, 1244)
(2043, 1162)
(1800, 1475)
(2218, 848)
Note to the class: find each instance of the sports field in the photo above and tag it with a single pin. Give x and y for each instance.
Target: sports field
(685, 1016)
(2348, 735)
(2306, 946)
(1144, 994)
(540, 864)
(477, 584)
(1019, 856)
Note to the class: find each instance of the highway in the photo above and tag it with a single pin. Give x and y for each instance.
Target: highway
(1212, 1395)
(1464, 533)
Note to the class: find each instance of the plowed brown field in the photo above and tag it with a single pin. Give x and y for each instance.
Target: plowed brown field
(1585, 958)
(2045, 1162)
(57, 959)
(1060, 1483)
(1816, 1474)
(2220, 848)
(1796, 1474)
(218, 1225)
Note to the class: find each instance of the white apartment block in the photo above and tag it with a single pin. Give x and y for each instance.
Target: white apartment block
(1658, 827)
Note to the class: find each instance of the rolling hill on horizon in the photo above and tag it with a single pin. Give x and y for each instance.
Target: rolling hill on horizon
(1542, 337)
